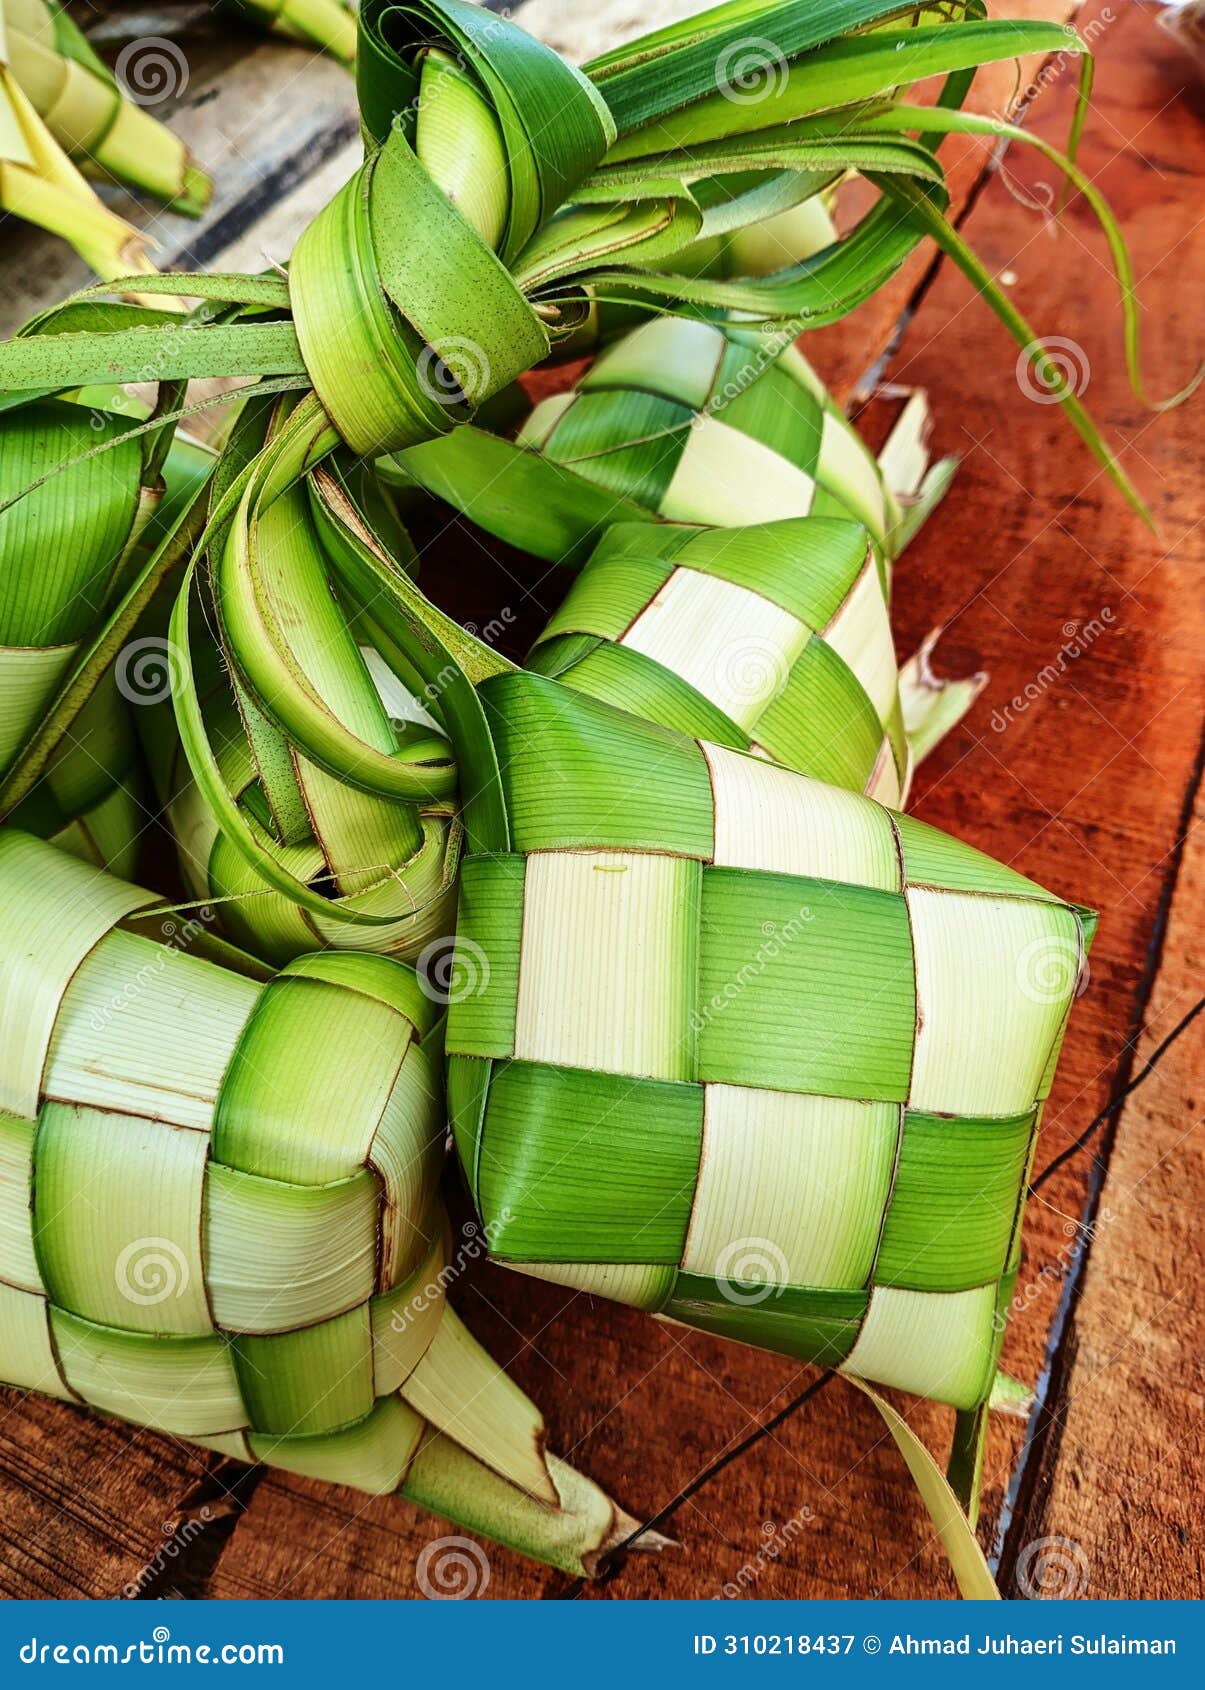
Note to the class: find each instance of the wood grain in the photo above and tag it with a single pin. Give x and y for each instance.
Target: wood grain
(1083, 787)
(1112, 1505)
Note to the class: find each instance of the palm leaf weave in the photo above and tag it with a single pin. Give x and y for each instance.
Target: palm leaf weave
(76, 527)
(220, 1215)
(698, 423)
(773, 639)
(747, 1051)
(688, 421)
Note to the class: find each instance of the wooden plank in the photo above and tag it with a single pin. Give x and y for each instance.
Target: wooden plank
(91, 1507)
(1112, 1506)
(261, 116)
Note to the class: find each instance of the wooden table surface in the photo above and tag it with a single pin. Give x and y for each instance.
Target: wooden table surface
(1089, 783)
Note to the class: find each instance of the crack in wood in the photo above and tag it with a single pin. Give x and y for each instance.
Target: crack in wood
(1043, 1441)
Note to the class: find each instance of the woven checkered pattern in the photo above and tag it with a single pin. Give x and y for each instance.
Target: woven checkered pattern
(703, 423)
(198, 1241)
(774, 639)
(749, 1051)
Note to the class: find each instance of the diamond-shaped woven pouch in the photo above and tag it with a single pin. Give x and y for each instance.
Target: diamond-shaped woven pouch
(220, 1215)
(716, 416)
(748, 1051)
(774, 639)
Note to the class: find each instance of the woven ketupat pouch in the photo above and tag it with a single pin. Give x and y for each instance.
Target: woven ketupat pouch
(751, 1052)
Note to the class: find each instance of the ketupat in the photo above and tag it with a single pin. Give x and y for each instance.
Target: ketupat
(83, 106)
(306, 437)
(471, 119)
(686, 421)
(748, 1051)
(773, 639)
(220, 1214)
(692, 422)
(647, 926)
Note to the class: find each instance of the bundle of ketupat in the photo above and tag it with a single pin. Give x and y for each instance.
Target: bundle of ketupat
(478, 234)
(220, 1213)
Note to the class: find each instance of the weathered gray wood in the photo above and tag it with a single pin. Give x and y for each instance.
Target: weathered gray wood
(263, 121)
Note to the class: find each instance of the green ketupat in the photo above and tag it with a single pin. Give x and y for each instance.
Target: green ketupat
(220, 1215)
(700, 1000)
(747, 1051)
(773, 639)
(503, 191)
(685, 422)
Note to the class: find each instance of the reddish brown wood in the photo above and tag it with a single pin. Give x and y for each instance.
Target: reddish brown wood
(1112, 1503)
